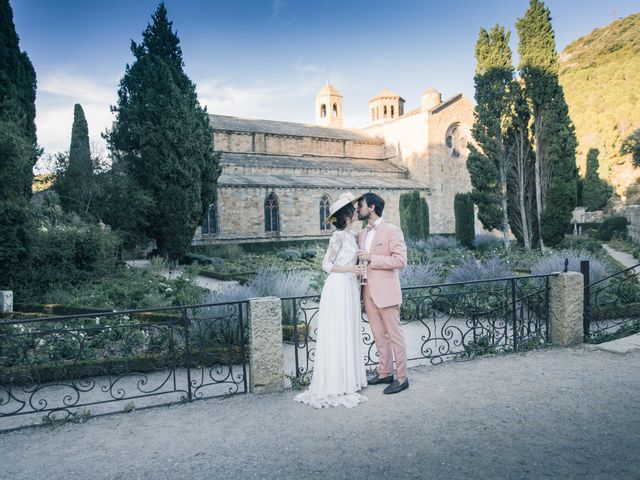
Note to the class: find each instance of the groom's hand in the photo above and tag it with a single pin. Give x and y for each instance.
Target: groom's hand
(364, 255)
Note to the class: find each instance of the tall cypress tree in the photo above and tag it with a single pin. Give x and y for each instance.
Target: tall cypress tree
(489, 165)
(162, 138)
(595, 191)
(18, 148)
(76, 183)
(553, 134)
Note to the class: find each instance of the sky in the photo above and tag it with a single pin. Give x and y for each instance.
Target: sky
(268, 58)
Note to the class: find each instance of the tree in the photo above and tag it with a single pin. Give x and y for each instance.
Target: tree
(554, 138)
(75, 182)
(631, 146)
(522, 208)
(414, 216)
(162, 138)
(18, 149)
(489, 165)
(464, 217)
(595, 191)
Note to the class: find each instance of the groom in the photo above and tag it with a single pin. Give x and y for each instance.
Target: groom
(382, 247)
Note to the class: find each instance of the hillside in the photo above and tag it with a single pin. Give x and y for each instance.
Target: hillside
(600, 74)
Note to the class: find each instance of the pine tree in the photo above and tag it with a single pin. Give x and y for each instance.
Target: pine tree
(595, 191)
(76, 182)
(162, 138)
(631, 146)
(18, 149)
(489, 165)
(553, 134)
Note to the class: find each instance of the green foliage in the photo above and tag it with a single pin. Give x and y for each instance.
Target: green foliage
(464, 216)
(18, 149)
(595, 191)
(554, 136)
(631, 146)
(488, 165)
(75, 182)
(600, 75)
(612, 226)
(162, 138)
(414, 216)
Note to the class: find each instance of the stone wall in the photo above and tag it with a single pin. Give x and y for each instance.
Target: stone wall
(242, 142)
(632, 213)
(241, 212)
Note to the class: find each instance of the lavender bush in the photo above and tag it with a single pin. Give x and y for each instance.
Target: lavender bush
(472, 270)
(486, 242)
(555, 263)
(426, 272)
(440, 242)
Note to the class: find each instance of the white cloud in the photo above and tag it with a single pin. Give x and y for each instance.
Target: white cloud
(59, 89)
(225, 99)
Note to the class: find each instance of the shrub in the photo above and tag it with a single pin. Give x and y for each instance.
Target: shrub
(486, 242)
(464, 217)
(440, 242)
(555, 263)
(472, 270)
(309, 253)
(290, 254)
(414, 215)
(278, 282)
(612, 226)
(425, 273)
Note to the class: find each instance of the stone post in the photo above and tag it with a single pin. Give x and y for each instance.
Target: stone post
(565, 309)
(6, 301)
(265, 363)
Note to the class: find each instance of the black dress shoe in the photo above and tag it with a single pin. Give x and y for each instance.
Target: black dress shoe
(396, 387)
(377, 380)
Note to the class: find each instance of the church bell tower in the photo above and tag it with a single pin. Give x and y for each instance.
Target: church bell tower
(329, 107)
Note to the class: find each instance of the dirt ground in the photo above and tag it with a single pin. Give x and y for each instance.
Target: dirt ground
(554, 413)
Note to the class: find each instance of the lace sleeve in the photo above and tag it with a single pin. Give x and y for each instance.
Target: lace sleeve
(335, 245)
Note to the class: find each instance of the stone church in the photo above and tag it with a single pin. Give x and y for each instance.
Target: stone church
(279, 178)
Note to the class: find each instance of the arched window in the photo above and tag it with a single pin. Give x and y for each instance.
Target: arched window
(324, 212)
(391, 111)
(323, 110)
(384, 111)
(335, 110)
(210, 221)
(271, 223)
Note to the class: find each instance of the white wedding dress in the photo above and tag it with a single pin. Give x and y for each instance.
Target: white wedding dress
(339, 371)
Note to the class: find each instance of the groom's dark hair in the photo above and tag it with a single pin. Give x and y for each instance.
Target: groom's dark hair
(375, 201)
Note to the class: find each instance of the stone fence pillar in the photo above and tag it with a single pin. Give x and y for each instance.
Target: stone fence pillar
(6, 301)
(566, 309)
(265, 362)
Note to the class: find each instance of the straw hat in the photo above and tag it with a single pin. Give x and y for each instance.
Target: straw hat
(342, 201)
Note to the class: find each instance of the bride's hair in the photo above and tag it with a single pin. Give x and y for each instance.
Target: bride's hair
(342, 215)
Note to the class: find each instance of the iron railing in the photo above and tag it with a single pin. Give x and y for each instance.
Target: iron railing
(452, 320)
(55, 368)
(610, 303)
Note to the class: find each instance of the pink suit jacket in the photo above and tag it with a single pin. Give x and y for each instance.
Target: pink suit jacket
(388, 257)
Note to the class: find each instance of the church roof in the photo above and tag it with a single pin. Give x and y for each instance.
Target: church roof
(317, 181)
(238, 124)
(446, 103)
(364, 165)
(328, 89)
(386, 93)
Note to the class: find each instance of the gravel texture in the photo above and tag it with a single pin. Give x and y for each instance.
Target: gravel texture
(555, 413)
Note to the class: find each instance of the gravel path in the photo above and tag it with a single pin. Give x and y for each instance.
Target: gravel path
(555, 413)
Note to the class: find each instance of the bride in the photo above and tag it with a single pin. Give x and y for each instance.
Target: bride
(339, 371)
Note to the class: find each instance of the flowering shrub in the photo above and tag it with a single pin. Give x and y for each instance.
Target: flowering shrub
(472, 270)
(425, 273)
(555, 263)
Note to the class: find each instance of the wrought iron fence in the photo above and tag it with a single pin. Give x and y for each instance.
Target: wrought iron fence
(454, 320)
(55, 368)
(611, 304)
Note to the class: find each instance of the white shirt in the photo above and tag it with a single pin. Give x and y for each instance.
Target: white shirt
(368, 241)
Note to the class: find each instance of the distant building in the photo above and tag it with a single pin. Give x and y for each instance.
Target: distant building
(278, 178)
